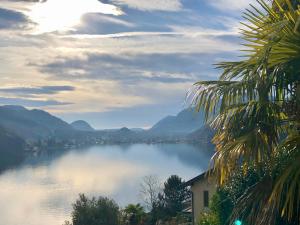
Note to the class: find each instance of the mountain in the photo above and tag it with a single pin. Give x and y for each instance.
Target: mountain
(11, 149)
(15, 107)
(185, 122)
(32, 124)
(82, 125)
(202, 135)
(137, 129)
(37, 126)
(124, 135)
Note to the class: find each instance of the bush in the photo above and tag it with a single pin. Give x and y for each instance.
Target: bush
(220, 209)
(208, 219)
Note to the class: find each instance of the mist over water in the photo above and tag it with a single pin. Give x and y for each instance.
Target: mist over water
(42, 190)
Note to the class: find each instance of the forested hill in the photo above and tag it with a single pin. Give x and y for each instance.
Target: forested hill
(40, 129)
(31, 124)
(11, 149)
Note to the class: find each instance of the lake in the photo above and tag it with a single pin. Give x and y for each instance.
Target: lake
(43, 188)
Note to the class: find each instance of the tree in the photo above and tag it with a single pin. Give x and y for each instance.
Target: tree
(175, 195)
(221, 206)
(134, 214)
(230, 194)
(233, 193)
(255, 109)
(150, 189)
(101, 211)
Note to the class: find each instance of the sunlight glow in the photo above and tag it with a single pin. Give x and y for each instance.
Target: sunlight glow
(62, 15)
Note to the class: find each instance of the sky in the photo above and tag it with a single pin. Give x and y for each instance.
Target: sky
(113, 63)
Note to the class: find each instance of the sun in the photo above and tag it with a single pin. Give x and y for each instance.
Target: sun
(62, 15)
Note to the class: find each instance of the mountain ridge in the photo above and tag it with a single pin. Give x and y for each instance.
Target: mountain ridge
(31, 124)
(38, 125)
(184, 122)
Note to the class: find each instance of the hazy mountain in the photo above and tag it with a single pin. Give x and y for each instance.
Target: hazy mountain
(82, 125)
(124, 134)
(202, 135)
(137, 129)
(11, 149)
(184, 122)
(14, 107)
(32, 124)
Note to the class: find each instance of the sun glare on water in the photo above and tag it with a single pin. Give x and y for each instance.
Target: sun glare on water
(61, 15)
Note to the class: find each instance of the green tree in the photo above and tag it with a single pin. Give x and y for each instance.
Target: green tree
(101, 211)
(134, 214)
(255, 109)
(175, 195)
(235, 190)
(243, 187)
(221, 206)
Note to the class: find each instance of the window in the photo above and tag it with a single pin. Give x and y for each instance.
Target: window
(206, 198)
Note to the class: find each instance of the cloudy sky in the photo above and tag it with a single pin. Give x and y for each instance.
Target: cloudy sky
(113, 63)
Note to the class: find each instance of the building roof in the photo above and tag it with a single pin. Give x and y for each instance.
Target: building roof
(195, 179)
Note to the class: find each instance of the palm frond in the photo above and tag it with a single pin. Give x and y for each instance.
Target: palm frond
(255, 103)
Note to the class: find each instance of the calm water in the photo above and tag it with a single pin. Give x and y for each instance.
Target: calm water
(42, 190)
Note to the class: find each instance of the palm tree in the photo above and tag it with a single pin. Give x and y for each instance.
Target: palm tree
(134, 214)
(255, 109)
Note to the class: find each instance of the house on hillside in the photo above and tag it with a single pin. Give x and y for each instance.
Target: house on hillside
(203, 188)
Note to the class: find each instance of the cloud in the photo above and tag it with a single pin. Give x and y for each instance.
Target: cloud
(31, 103)
(51, 16)
(101, 18)
(152, 42)
(151, 5)
(12, 19)
(132, 69)
(231, 5)
(27, 0)
(30, 91)
(96, 23)
(147, 57)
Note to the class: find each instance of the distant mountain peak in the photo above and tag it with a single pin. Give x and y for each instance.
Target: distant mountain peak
(82, 125)
(32, 124)
(186, 121)
(125, 129)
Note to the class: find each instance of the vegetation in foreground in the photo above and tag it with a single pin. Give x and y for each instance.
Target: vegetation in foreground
(164, 206)
(255, 109)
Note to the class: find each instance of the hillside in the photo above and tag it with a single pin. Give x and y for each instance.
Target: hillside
(185, 122)
(37, 126)
(201, 136)
(32, 124)
(82, 125)
(11, 149)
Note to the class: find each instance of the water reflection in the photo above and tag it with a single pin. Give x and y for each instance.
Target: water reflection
(42, 190)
